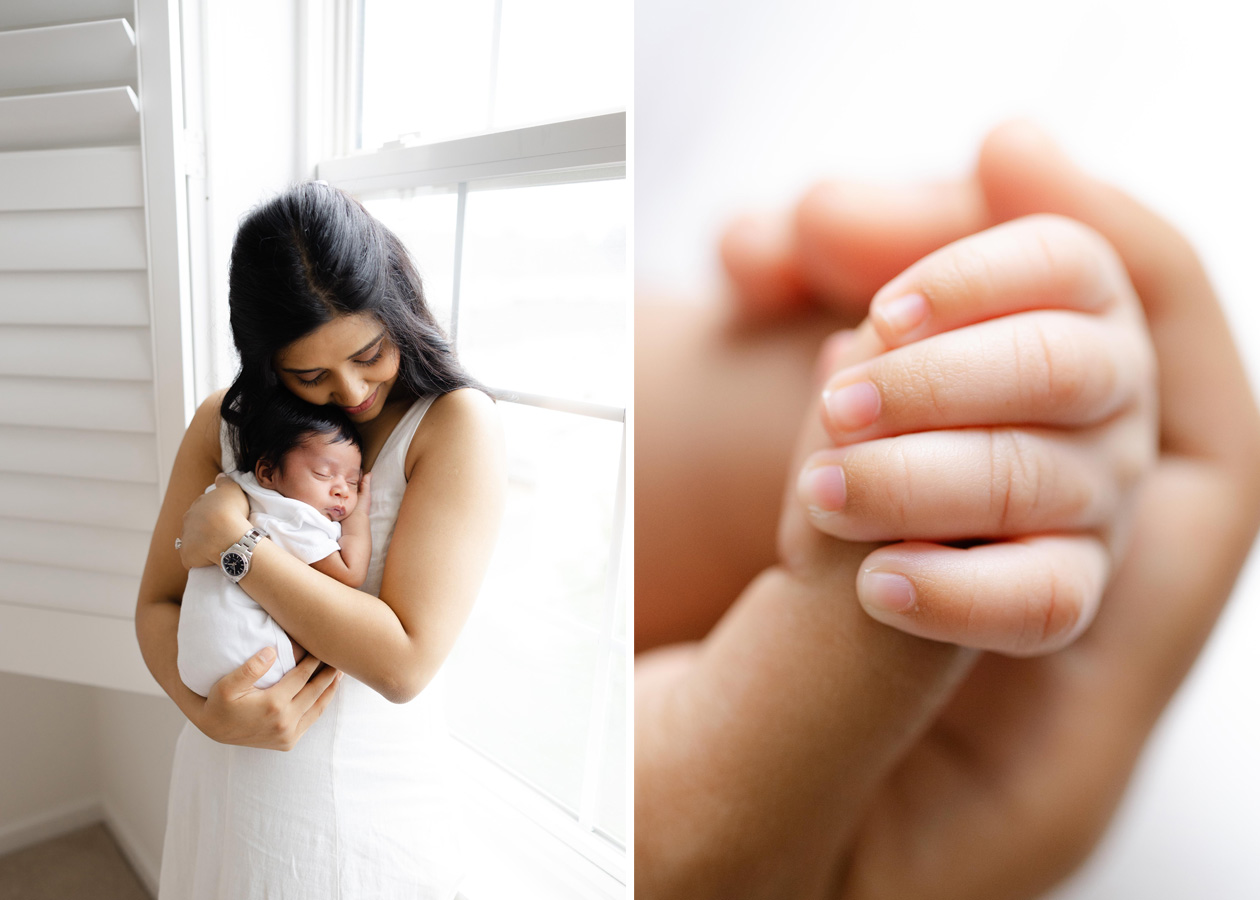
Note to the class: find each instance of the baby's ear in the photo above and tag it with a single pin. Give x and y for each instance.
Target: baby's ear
(264, 471)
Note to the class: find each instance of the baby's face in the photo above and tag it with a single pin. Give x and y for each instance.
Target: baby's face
(320, 471)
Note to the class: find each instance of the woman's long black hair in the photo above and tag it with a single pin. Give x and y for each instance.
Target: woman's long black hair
(306, 257)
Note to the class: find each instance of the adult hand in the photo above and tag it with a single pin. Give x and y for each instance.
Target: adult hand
(214, 522)
(274, 718)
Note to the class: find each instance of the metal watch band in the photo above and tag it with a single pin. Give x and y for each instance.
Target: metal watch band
(251, 538)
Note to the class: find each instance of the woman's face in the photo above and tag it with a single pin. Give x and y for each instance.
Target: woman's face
(349, 362)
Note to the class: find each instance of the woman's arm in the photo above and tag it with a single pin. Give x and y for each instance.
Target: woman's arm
(162, 585)
(438, 556)
(237, 714)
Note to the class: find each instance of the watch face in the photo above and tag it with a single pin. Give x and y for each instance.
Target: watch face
(234, 564)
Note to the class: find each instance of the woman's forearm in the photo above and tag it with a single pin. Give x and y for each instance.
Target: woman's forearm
(157, 627)
(346, 628)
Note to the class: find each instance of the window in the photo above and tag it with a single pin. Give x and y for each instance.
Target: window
(490, 136)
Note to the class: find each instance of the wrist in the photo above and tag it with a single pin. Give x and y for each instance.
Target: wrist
(230, 530)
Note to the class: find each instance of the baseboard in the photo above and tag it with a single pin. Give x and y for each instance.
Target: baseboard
(49, 824)
(146, 867)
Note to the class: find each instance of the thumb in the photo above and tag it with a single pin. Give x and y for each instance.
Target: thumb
(1204, 392)
(243, 677)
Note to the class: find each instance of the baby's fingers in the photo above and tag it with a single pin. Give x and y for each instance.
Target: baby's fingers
(1052, 367)
(968, 483)
(1023, 598)
(1037, 262)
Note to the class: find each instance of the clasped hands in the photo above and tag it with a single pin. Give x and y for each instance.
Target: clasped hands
(1045, 411)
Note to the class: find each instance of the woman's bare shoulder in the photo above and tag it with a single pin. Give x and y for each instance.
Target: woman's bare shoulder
(462, 420)
(203, 430)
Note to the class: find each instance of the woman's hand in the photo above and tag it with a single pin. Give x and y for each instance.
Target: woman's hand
(274, 718)
(214, 522)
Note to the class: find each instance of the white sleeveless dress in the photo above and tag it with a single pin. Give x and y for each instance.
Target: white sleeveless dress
(363, 808)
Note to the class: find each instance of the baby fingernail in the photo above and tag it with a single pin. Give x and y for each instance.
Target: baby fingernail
(822, 489)
(887, 591)
(853, 406)
(902, 314)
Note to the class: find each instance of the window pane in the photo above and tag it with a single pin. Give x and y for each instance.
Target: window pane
(522, 676)
(426, 224)
(426, 69)
(430, 70)
(543, 296)
(559, 59)
(610, 813)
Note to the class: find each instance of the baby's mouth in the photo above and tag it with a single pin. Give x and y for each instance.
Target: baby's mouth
(336, 513)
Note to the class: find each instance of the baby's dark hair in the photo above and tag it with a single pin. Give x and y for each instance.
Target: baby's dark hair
(282, 423)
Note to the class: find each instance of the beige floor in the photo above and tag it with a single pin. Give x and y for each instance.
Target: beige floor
(82, 865)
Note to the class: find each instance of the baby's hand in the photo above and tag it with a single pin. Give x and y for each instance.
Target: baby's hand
(1010, 399)
(364, 506)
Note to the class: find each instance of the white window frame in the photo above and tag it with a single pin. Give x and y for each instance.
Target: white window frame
(547, 853)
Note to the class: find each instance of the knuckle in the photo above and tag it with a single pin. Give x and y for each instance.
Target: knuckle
(883, 492)
(1049, 614)
(1016, 480)
(1058, 370)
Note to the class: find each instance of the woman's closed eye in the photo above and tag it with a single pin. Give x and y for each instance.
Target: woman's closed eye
(377, 354)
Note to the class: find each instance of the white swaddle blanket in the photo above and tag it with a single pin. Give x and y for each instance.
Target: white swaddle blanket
(219, 625)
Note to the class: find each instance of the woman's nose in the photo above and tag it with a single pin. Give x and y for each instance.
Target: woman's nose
(349, 392)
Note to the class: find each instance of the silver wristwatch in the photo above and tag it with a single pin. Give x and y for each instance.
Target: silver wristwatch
(234, 561)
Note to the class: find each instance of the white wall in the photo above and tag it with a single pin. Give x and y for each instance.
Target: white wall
(742, 104)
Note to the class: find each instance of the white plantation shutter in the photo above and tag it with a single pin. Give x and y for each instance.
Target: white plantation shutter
(94, 392)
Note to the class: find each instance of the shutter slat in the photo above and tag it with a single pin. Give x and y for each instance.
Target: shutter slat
(111, 550)
(33, 13)
(80, 501)
(74, 298)
(105, 455)
(69, 119)
(59, 55)
(107, 405)
(67, 589)
(110, 239)
(72, 352)
(78, 178)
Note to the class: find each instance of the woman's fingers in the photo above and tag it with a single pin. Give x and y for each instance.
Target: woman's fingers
(1037, 262)
(1048, 368)
(1024, 597)
(851, 238)
(759, 254)
(318, 692)
(975, 483)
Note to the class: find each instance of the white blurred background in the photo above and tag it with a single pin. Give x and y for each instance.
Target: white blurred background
(741, 105)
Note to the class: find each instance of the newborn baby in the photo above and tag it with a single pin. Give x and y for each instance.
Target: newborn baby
(307, 492)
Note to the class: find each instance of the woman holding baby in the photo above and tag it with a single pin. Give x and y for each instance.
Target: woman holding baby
(327, 305)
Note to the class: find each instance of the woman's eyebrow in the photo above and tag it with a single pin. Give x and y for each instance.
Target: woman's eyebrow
(366, 347)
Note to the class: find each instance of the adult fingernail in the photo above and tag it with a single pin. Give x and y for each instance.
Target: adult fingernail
(822, 489)
(901, 314)
(853, 406)
(886, 591)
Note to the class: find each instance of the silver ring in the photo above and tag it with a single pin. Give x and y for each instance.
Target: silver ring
(178, 543)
